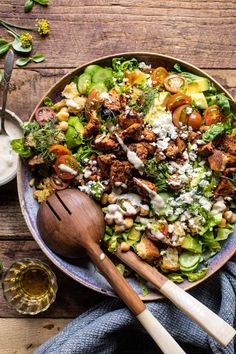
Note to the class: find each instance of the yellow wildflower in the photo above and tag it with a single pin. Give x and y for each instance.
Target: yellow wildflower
(26, 40)
(42, 26)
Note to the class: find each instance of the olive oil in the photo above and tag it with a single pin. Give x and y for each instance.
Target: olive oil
(34, 282)
(30, 286)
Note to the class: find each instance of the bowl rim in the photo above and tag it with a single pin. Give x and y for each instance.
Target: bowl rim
(217, 265)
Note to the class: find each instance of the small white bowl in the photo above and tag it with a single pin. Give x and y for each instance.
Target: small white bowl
(13, 129)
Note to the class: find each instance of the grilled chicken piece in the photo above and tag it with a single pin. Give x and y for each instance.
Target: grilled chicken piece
(123, 101)
(131, 131)
(140, 149)
(231, 160)
(126, 120)
(93, 125)
(175, 183)
(159, 155)
(145, 134)
(206, 150)
(181, 144)
(104, 163)
(172, 150)
(113, 102)
(105, 143)
(94, 101)
(121, 171)
(229, 170)
(217, 160)
(36, 160)
(151, 148)
(225, 188)
(147, 250)
(227, 142)
(139, 185)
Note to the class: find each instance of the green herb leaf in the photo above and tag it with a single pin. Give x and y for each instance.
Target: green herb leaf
(42, 2)
(18, 47)
(1, 75)
(18, 145)
(196, 275)
(175, 277)
(188, 76)
(48, 101)
(28, 5)
(38, 58)
(213, 131)
(22, 61)
(4, 46)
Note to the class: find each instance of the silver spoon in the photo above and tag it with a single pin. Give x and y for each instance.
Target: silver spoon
(8, 66)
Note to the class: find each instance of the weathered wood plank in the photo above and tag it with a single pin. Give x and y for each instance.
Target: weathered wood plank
(202, 32)
(23, 336)
(72, 298)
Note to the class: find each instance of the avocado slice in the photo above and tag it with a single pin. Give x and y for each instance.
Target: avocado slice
(199, 100)
(74, 133)
(197, 86)
(76, 124)
(192, 244)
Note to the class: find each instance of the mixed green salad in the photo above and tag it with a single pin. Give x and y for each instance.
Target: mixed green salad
(155, 147)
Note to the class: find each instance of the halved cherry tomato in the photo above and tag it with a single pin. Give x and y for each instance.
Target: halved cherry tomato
(59, 150)
(195, 120)
(163, 227)
(177, 100)
(175, 83)
(63, 163)
(57, 183)
(213, 115)
(180, 115)
(44, 114)
(158, 75)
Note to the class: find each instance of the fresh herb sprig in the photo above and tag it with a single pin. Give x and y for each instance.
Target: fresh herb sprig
(30, 3)
(37, 58)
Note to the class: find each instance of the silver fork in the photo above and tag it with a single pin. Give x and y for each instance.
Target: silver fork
(8, 66)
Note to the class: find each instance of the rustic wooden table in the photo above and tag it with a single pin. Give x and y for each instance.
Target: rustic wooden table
(201, 32)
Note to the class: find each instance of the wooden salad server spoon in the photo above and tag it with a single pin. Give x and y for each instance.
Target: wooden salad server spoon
(69, 220)
(214, 325)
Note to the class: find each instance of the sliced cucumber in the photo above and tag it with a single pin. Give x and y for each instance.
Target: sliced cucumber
(100, 86)
(102, 75)
(189, 261)
(84, 83)
(91, 69)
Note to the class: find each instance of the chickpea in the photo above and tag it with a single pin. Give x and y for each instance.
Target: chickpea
(109, 221)
(124, 246)
(222, 223)
(230, 216)
(119, 228)
(128, 222)
(112, 198)
(144, 211)
(104, 199)
(63, 126)
(63, 115)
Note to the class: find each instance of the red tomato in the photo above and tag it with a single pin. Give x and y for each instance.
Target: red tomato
(58, 150)
(213, 115)
(158, 75)
(61, 164)
(195, 120)
(180, 115)
(175, 83)
(57, 183)
(44, 114)
(177, 100)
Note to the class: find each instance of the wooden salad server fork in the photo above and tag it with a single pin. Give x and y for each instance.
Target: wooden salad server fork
(214, 325)
(69, 220)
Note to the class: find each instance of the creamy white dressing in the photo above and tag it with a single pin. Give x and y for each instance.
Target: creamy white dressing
(8, 157)
(132, 157)
(98, 140)
(156, 200)
(135, 199)
(65, 168)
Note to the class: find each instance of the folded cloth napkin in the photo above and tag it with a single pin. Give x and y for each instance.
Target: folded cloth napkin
(111, 328)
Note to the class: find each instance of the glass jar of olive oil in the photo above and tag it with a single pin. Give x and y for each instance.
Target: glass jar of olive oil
(30, 286)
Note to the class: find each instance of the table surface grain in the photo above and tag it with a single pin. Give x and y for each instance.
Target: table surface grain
(201, 32)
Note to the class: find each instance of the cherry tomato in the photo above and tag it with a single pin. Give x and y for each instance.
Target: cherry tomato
(64, 161)
(44, 114)
(195, 120)
(57, 183)
(158, 75)
(213, 115)
(180, 115)
(175, 83)
(163, 227)
(177, 100)
(58, 150)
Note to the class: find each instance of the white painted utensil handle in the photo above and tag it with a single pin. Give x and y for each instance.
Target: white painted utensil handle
(207, 319)
(159, 334)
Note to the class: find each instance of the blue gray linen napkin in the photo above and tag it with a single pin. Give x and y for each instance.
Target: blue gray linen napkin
(111, 328)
